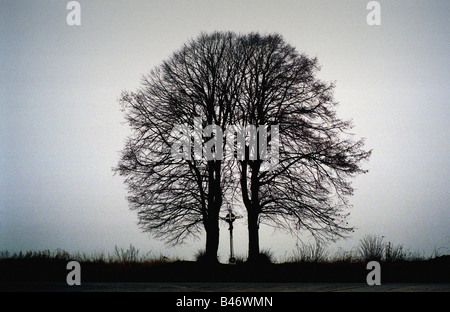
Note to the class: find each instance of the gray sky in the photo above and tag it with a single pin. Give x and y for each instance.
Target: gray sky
(61, 131)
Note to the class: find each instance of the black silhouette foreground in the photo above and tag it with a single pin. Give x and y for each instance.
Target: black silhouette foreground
(44, 268)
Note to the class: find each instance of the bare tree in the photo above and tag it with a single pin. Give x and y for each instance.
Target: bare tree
(223, 79)
(308, 188)
(179, 197)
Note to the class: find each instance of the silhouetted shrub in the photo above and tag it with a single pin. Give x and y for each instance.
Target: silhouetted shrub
(371, 248)
(264, 257)
(126, 255)
(310, 253)
(393, 252)
(200, 256)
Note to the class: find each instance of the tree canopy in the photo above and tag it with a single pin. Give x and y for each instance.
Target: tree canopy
(245, 80)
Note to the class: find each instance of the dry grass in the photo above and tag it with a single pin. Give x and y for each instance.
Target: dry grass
(370, 247)
(118, 256)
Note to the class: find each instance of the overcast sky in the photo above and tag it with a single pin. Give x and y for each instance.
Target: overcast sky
(61, 126)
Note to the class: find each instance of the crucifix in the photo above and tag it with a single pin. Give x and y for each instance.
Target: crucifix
(230, 218)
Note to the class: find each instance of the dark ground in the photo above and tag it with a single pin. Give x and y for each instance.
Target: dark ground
(50, 275)
(223, 287)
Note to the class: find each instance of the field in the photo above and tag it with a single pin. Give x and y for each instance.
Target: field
(126, 270)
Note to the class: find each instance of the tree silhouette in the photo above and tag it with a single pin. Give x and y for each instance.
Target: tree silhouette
(308, 188)
(178, 197)
(247, 80)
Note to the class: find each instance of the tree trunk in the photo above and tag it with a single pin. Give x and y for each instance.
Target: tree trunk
(253, 209)
(214, 204)
(253, 213)
(253, 235)
(212, 239)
